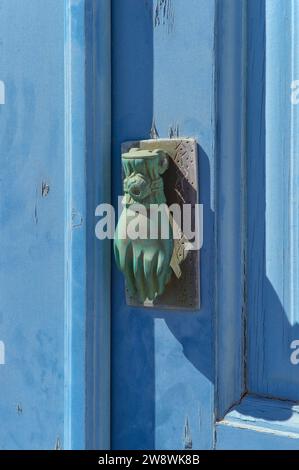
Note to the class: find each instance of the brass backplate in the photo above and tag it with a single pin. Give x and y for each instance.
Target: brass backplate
(180, 187)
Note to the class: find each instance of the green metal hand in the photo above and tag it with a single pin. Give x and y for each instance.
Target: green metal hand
(143, 243)
(144, 262)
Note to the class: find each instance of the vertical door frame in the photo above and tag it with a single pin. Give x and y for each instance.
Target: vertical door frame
(87, 260)
(230, 204)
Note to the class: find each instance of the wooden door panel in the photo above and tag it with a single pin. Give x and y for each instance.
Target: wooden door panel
(32, 228)
(162, 362)
(273, 203)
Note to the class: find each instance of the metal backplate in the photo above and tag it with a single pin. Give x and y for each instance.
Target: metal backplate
(180, 187)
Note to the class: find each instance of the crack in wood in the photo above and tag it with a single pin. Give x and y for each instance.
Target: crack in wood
(164, 14)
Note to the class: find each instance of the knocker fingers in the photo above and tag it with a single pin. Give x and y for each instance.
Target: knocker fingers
(124, 261)
(130, 278)
(150, 273)
(139, 274)
(163, 271)
(116, 255)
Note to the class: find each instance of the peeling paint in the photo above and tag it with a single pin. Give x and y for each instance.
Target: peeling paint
(174, 131)
(36, 207)
(45, 189)
(164, 14)
(58, 445)
(154, 132)
(187, 437)
(19, 409)
(77, 219)
(35, 214)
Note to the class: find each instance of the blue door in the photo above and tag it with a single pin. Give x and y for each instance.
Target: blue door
(79, 368)
(225, 376)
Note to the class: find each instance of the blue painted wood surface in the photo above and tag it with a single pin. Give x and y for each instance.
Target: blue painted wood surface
(87, 260)
(273, 279)
(32, 224)
(179, 63)
(98, 174)
(156, 349)
(275, 415)
(75, 226)
(238, 438)
(260, 423)
(55, 281)
(163, 363)
(230, 204)
(271, 274)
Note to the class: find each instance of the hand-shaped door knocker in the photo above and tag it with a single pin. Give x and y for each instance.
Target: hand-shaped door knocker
(143, 242)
